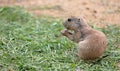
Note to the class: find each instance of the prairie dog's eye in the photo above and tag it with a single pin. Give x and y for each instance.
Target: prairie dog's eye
(69, 19)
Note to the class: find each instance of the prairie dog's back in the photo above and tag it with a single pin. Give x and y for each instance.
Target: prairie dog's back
(93, 45)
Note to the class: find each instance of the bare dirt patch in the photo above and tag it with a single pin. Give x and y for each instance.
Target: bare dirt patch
(99, 12)
(118, 65)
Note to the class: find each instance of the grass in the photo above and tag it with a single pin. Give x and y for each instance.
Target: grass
(35, 44)
(47, 7)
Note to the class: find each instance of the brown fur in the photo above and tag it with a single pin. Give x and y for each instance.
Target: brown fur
(91, 43)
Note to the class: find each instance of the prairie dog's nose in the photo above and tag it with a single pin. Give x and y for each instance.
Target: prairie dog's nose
(69, 19)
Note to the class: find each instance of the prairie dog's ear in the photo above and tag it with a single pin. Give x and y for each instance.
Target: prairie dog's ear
(81, 19)
(83, 22)
(78, 19)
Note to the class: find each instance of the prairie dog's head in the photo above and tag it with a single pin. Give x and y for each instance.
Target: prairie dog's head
(72, 23)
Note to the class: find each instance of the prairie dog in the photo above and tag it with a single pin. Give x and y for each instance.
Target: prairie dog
(91, 43)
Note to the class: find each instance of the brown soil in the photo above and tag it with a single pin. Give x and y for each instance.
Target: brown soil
(99, 12)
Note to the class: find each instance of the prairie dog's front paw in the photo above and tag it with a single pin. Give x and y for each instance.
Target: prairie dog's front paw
(64, 32)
